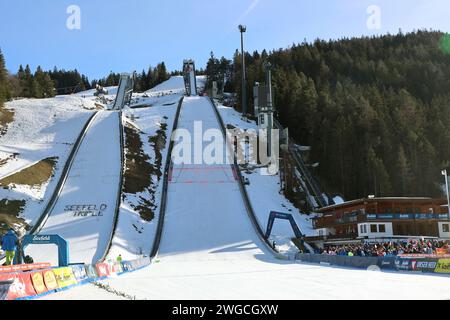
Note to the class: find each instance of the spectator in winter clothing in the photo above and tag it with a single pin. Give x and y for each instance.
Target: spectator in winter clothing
(9, 244)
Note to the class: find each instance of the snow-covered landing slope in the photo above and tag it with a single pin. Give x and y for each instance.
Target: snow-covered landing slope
(42, 128)
(206, 218)
(84, 212)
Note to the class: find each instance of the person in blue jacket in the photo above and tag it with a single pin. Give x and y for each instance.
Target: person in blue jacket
(9, 244)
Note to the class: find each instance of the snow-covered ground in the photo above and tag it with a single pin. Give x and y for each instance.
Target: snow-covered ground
(176, 85)
(42, 128)
(112, 91)
(84, 212)
(210, 250)
(262, 278)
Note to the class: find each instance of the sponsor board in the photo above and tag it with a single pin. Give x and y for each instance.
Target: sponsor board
(126, 265)
(38, 283)
(102, 270)
(24, 267)
(403, 264)
(442, 251)
(443, 266)
(4, 290)
(387, 263)
(50, 280)
(424, 265)
(79, 271)
(20, 286)
(64, 277)
(116, 267)
(91, 271)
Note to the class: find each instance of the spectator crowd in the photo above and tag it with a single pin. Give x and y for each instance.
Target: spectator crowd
(387, 249)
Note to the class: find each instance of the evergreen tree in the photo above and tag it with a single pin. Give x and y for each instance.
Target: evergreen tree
(374, 109)
(4, 88)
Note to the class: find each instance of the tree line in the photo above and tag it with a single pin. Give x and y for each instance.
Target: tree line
(47, 84)
(376, 110)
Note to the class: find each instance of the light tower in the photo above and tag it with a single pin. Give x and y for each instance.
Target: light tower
(268, 67)
(243, 29)
(445, 174)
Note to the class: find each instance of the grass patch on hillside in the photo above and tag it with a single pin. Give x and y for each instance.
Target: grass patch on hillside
(140, 171)
(6, 117)
(9, 215)
(35, 175)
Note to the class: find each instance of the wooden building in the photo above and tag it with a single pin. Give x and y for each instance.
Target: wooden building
(377, 218)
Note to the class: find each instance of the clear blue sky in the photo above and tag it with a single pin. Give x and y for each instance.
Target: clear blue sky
(133, 34)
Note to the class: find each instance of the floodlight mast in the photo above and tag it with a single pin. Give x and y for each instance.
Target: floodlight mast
(243, 29)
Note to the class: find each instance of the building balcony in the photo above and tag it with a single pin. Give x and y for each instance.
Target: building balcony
(331, 221)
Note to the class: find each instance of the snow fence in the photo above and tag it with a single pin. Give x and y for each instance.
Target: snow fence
(418, 263)
(26, 282)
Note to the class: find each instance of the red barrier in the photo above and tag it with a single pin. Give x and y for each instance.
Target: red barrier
(21, 287)
(102, 270)
(24, 267)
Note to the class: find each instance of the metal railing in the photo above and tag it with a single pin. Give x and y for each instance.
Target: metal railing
(311, 183)
(242, 188)
(119, 190)
(164, 194)
(62, 180)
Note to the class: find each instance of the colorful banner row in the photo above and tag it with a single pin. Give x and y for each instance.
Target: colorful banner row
(423, 264)
(409, 263)
(22, 285)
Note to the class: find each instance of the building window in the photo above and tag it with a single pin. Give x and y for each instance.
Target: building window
(446, 228)
(382, 228)
(373, 228)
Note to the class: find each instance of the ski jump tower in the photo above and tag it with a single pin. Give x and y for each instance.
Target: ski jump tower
(124, 92)
(190, 81)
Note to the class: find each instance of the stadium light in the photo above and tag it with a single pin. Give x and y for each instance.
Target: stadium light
(445, 174)
(243, 29)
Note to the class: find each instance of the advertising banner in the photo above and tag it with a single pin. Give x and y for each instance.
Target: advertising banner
(442, 251)
(404, 264)
(102, 270)
(443, 266)
(424, 265)
(116, 268)
(24, 267)
(4, 289)
(20, 286)
(38, 282)
(65, 277)
(91, 271)
(50, 280)
(126, 265)
(79, 271)
(387, 263)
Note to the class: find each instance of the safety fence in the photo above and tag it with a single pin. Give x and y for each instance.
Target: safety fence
(39, 279)
(421, 263)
